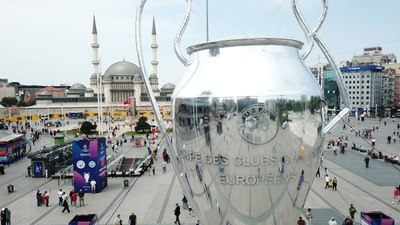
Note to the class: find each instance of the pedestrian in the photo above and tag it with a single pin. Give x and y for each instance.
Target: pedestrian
(198, 222)
(93, 186)
(325, 171)
(309, 216)
(81, 195)
(59, 195)
(8, 216)
(154, 170)
(318, 174)
(332, 221)
(352, 212)
(46, 197)
(334, 184)
(118, 220)
(132, 219)
(70, 196)
(301, 221)
(301, 180)
(38, 198)
(327, 181)
(3, 216)
(65, 205)
(191, 213)
(1, 169)
(347, 221)
(164, 166)
(395, 195)
(366, 160)
(74, 197)
(177, 212)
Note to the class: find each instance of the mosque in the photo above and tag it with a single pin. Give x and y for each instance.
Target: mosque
(120, 90)
(123, 79)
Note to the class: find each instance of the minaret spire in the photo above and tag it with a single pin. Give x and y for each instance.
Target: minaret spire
(94, 29)
(95, 47)
(154, 62)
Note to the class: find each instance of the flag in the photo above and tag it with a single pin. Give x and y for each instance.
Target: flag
(128, 101)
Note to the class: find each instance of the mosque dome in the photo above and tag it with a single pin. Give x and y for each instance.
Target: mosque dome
(78, 86)
(153, 76)
(123, 68)
(89, 90)
(169, 86)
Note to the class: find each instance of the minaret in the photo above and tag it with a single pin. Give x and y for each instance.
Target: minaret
(95, 61)
(153, 76)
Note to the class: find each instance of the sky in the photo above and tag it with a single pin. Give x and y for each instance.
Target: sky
(48, 42)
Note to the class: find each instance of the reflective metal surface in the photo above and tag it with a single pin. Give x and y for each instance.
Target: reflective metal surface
(247, 129)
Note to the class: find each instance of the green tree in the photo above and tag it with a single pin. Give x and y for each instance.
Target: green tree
(9, 101)
(88, 127)
(142, 126)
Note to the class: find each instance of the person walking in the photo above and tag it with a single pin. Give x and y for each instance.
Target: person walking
(326, 171)
(301, 221)
(177, 212)
(74, 198)
(332, 221)
(65, 205)
(132, 219)
(309, 216)
(81, 195)
(327, 181)
(59, 195)
(366, 160)
(38, 198)
(352, 211)
(93, 186)
(164, 167)
(70, 196)
(46, 197)
(318, 173)
(334, 184)
(118, 220)
(396, 193)
(8, 216)
(347, 221)
(3, 216)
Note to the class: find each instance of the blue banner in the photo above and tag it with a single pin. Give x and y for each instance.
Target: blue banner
(89, 164)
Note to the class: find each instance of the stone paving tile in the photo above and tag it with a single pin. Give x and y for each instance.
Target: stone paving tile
(379, 172)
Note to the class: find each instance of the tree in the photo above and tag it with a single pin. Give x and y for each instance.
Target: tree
(88, 128)
(142, 126)
(9, 101)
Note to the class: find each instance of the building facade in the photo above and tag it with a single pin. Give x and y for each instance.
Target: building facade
(373, 56)
(364, 86)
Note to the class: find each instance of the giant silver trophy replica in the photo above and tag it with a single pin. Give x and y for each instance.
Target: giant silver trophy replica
(248, 125)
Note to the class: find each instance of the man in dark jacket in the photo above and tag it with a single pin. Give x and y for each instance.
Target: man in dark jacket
(177, 212)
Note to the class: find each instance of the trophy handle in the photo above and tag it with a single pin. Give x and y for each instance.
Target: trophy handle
(304, 26)
(313, 36)
(154, 104)
(179, 34)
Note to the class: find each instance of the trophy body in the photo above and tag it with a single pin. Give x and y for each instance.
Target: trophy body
(247, 128)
